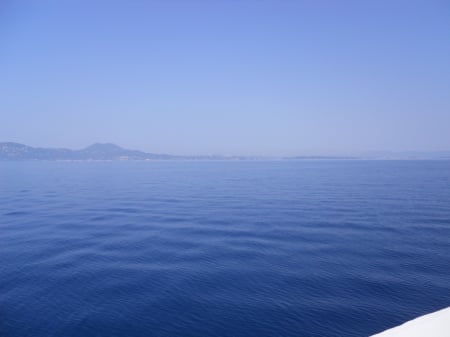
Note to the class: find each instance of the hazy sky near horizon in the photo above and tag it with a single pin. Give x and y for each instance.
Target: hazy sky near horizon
(227, 77)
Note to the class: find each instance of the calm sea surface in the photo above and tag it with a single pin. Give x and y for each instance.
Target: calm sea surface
(204, 249)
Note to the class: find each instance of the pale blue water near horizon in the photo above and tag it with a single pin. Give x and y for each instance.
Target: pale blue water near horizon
(198, 248)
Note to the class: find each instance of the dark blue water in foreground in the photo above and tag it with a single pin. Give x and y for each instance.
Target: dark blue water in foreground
(203, 249)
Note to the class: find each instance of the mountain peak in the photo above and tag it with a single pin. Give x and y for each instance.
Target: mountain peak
(96, 151)
(103, 147)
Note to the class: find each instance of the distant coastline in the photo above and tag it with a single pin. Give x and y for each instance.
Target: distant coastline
(10, 151)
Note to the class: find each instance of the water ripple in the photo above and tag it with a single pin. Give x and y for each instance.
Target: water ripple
(221, 248)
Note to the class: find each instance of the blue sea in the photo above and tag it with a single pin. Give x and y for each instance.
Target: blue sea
(221, 248)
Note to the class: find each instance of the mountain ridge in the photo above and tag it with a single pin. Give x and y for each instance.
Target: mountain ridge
(10, 151)
(96, 151)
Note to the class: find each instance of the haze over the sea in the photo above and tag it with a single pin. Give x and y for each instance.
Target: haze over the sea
(272, 78)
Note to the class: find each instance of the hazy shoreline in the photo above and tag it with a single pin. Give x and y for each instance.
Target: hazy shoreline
(10, 151)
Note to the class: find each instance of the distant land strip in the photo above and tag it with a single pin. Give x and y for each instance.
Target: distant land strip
(10, 151)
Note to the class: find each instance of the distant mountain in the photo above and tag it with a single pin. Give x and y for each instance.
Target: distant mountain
(98, 151)
(109, 151)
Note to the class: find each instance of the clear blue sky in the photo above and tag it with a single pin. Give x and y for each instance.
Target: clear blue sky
(227, 77)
